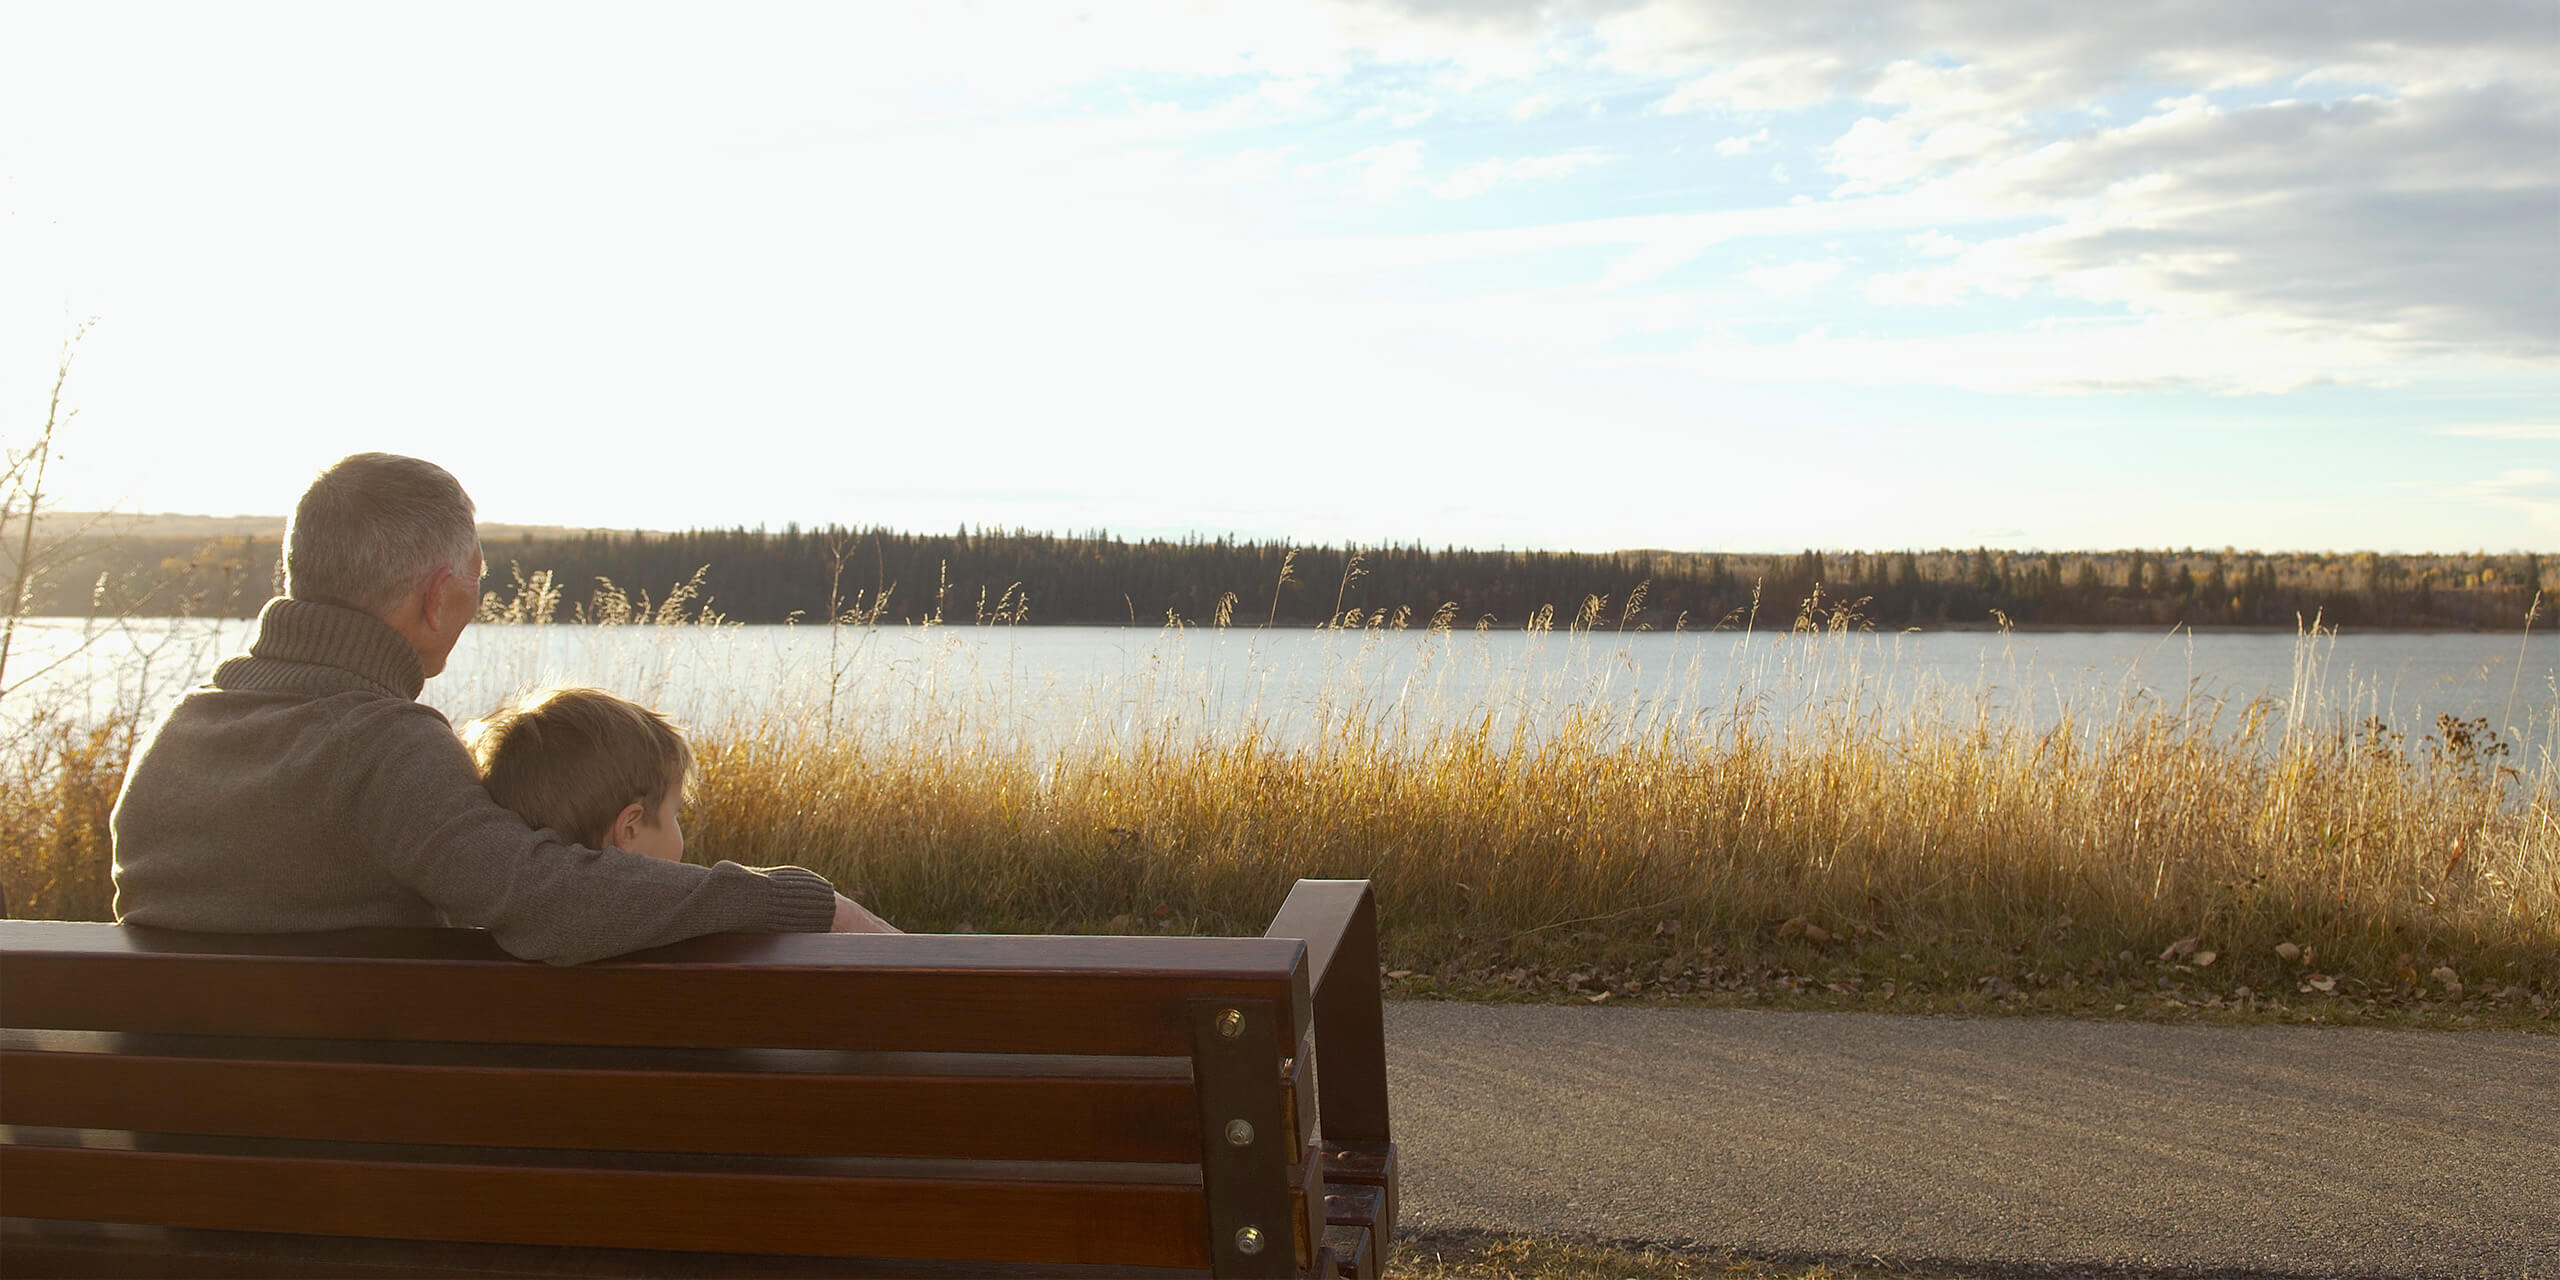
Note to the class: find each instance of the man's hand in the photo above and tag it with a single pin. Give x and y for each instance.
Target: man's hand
(852, 918)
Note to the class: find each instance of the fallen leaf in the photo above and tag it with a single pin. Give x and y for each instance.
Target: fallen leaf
(2288, 951)
(2180, 949)
(2204, 958)
(1122, 923)
(2452, 982)
(2319, 982)
(1794, 927)
(1601, 998)
(1399, 973)
(1816, 934)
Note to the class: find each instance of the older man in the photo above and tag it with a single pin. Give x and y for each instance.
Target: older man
(306, 788)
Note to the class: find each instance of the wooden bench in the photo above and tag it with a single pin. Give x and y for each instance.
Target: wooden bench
(414, 1102)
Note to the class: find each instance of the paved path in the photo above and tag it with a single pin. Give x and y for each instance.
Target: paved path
(2298, 1151)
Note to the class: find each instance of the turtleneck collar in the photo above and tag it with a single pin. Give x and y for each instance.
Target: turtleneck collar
(327, 635)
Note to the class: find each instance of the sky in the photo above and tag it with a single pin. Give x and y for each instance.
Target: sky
(1704, 275)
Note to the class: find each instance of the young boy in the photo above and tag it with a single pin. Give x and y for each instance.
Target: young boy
(606, 773)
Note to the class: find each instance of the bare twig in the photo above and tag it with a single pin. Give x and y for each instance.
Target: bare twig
(33, 464)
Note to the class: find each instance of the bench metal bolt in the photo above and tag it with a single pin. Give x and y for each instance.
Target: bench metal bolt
(1249, 1240)
(1239, 1133)
(1230, 1023)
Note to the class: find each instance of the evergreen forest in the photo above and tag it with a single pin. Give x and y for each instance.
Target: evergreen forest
(970, 576)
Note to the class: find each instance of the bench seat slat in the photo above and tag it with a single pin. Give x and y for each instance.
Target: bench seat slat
(962, 1117)
(54, 1248)
(1142, 1221)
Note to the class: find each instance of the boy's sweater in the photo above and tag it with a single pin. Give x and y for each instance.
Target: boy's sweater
(306, 788)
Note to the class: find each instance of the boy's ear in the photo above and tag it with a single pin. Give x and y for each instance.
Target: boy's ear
(626, 826)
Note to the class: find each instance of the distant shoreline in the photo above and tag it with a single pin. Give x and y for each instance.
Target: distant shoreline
(1097, 579)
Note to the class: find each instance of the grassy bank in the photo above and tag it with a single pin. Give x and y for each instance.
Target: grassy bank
(1858, 842)
(2162, 860)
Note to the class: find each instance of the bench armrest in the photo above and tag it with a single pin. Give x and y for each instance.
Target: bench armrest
(1339, 921)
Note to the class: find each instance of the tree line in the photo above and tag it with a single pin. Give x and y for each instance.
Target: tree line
(977, 575)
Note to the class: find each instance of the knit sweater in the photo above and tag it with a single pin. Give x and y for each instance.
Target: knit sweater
(306, 788)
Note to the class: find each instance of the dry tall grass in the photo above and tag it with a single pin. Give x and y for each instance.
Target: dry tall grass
(58, 783)
(1941, 848)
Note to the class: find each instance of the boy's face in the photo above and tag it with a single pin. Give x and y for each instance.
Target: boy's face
(656, 835)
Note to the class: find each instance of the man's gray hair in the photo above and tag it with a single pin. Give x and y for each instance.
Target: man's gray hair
(372, 527)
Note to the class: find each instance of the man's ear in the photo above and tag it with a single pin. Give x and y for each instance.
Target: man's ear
(626, 826)
(430, 597)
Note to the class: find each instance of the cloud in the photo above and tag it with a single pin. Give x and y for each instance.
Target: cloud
(1794, 277)
(1916, 288)
(1781, 83)
(2059, 357)
(2505, 431)
(1484, 175)
(1743, 145)
(1389, 169)
(1671, 238)
(2533, 491)
(2408, 192)
(1799, 55)
(2426, 221)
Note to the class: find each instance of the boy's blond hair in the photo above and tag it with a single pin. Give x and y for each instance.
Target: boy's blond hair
(572, 758)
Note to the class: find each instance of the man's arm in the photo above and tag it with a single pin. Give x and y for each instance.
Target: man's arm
(423, 812)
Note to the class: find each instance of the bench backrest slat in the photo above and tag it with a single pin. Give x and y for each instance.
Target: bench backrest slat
(813, 991)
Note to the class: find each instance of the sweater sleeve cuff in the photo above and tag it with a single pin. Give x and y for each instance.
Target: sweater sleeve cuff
(804, 901)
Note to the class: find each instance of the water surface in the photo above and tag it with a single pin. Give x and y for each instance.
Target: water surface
(1055, 685)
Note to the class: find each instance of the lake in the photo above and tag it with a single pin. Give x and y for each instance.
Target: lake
(1062, 685)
